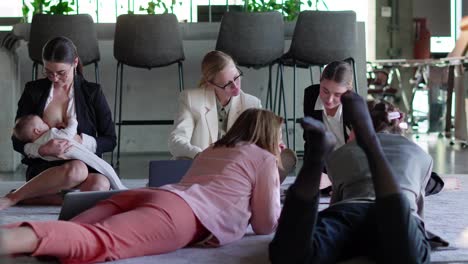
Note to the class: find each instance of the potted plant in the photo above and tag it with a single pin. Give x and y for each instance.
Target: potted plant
(159, 7)
(289, 8)
(44, 7)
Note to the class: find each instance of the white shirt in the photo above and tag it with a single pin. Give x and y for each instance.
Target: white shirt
(89, 142)
(333, 124)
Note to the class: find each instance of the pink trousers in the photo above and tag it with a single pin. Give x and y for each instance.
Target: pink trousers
(129, 224)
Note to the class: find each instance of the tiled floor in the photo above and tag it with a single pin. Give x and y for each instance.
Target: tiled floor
(448, 159)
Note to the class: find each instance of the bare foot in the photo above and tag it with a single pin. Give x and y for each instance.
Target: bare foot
(7, 201)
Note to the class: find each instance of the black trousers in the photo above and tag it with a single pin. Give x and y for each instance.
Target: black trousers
(386, 231)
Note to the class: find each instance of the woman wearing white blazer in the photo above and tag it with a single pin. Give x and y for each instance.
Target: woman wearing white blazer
(207, 113)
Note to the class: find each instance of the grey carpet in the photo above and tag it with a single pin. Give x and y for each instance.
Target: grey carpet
(444, 214)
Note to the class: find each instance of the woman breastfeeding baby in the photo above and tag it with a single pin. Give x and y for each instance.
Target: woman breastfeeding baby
(64, 92)
(33, 129)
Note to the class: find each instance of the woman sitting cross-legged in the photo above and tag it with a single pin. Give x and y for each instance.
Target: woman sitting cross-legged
(230, 185)
(64, 93)
(378, 186)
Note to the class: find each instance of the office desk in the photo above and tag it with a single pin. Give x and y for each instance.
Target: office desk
(455, 84)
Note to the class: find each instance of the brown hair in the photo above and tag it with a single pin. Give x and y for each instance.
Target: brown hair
(62, 50)
(339, 72)
(22, 125)
(256, 126)
(379, 112)
(213, 62)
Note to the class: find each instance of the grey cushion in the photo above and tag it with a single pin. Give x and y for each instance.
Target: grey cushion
(321, 37)
(148, 41)
(252, 39)
(79, 28)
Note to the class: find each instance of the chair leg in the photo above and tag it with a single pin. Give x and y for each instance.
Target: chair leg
(353, 64)
(276, 89)
(96, 71)
(411, 110)
(120, 116)
(448, 113)
(115, 106)
(283, 96)
(270, 88)
(34, 71)
(181, 76)
(294, 107)
(311, 75)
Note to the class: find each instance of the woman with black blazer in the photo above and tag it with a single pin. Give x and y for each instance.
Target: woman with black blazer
(375, 213)
(63, 94)
(322, 101)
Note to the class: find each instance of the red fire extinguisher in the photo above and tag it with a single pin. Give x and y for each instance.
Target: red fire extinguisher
(422, 40)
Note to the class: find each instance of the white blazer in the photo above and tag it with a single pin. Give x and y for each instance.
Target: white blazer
(196, 124)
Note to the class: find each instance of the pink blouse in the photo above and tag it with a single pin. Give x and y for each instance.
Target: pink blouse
(230, 188)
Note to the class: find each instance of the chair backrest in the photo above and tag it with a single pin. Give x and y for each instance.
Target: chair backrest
(252, 39)
(321, 37)
(148, 41)
(162, 172)
(79, 28)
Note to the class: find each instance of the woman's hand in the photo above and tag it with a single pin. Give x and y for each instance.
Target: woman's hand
(55, 148)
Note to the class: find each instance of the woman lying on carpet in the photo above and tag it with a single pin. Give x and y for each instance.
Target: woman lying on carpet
(230, 185)
(322, 102)
(378, 187)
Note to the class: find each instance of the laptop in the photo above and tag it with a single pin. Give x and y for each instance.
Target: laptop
(76, 202)
(162, 172)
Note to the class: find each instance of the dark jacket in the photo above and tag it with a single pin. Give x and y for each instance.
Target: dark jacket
(92, 112)
(311, 95)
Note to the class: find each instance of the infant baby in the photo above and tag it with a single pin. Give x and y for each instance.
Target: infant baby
(32, 129)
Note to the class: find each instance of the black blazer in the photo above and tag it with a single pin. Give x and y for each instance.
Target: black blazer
(92, 112)
(311, 95)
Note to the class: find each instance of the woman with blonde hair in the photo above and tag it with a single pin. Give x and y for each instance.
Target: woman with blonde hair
(207, 113)
(230, 185)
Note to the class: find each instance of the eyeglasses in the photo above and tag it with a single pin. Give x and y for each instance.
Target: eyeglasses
(236, 80)
(60, 74)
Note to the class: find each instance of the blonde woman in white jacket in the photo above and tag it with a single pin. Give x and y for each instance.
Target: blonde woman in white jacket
(207, 113)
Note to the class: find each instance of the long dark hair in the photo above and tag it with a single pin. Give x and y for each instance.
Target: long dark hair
(62, 49)
(256, 126)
